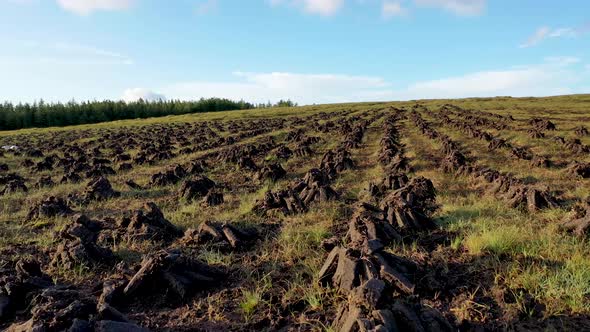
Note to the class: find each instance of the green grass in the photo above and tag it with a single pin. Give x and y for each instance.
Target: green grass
(456, 243)
(215, 257)
(526, 251)
(498, 241)
(253, 299)
(250, 301)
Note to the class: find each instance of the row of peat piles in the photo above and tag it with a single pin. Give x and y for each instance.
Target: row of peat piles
(505, 186)
(379, 285)
(315, 185)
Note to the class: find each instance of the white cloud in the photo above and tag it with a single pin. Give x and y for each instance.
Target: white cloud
(459, 7)
(21, 2)
(563, 32)
(206, 6)
(545, 32)
(90, 51)
(85, 7)
(320, 7)
(562, 61)
(392, 8)
(323, 7)
(555, 75)
(484, 83)
(261, 87)
(537, 37)
(389, 8)
(62, 53)
(131, 95)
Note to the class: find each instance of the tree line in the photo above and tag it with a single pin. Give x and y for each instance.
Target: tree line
(280, 103)
(41, 114)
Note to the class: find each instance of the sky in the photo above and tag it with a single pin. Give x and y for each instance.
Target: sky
(309, 51)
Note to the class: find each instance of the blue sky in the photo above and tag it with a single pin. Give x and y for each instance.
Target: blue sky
(312, 51)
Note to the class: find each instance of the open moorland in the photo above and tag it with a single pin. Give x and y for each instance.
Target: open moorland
(434, 215)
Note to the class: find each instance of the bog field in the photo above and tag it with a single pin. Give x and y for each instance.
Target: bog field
(434, 215)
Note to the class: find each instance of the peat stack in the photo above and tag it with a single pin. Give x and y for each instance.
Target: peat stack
(148, 223)
(579, 222)
(453, 162)
(285, 201)
(272, 172)
(222, 234)
(247, 163)
(78, 245)
(410, 207)
(532, 198)
(20, 282)
(368, 232)
(497, 143)
(99, 189)
(44, 182)
(581, 131)
(391, 181)
(196, 188)
(65, 309)
(14, 186)
(579, 170)
(542, 124)
(165, 178)
(49, 208)
(539, 161)
(171, 272)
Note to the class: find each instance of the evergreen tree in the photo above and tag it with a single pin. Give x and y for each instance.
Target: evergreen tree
(41, 114)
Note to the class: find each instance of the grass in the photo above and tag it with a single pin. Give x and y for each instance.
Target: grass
(470, 309)
(215, 257)
(526, 251)
(549, 264)
(300, 235)
(254, 298)
(76, 274)
(498, 241)
(456, 243)
(250, 301)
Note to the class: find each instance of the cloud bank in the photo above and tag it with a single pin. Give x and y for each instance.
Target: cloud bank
(86, 7)
(320, 7)
(554, 75)
(459, 7)
(135, 94)
(389, 8)
(546, 32)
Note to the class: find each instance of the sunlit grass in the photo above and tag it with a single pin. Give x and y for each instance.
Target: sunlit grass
(528, 251)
